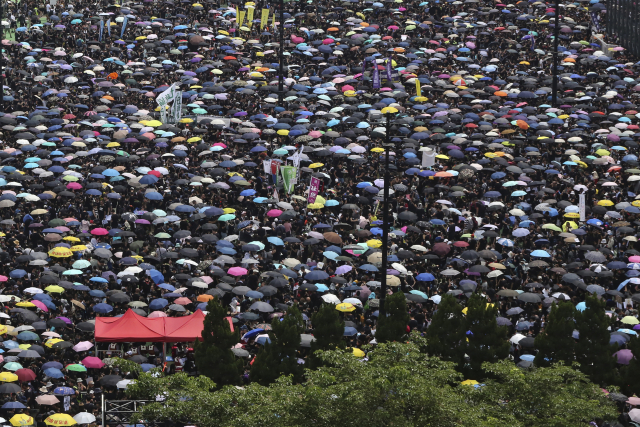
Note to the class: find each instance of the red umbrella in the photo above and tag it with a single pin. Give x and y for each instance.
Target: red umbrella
(441, 249)
(25, 375)
(461, 244)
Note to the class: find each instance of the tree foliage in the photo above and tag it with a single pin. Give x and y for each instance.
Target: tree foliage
(280, 356)
(630, 374)
(557, 344)
(397, 386)
(446, 335)
(487, 342)
(393, 326)
(593, 351)
(328, 331)
(214, 357)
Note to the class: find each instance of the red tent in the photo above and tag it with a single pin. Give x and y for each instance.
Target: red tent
(129, 328)
(134, 328)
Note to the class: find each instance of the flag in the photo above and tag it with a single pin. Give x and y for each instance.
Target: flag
(389, 71)
(237, 16)
(124, 26)
(297, 156)
(264, 19)
(101, 29)
(376, 76)
(250, 16)
(275, 194)
(314, 187)
(109, 26)
(418, 89)
(266, 164)
(288, 177)
(176, 107)
(241, 17)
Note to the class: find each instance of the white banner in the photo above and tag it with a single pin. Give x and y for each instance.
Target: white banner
(176, 107)
(582, 206)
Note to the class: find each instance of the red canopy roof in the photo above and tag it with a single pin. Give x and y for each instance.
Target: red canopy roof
(134, 328)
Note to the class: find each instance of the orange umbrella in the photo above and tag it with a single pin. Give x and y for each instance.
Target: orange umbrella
(205, 297)
(112, 76)
(500, 93)
(333, 29)
(443, 175)
(522, 124)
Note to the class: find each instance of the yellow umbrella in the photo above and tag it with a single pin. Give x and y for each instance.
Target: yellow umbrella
(315, 206)
(551, 227)
(321, 200)
(60, 420)
(25, 304)
(442, 156)
(194, 139)
(71, 239)
(572, 215)
(469, 382)
(60, 252)
(113, 144)
(358, 353)
(630, 320)
(54, 289)
(21, 420)
(3, 330)
(377, 150)
(375, 243)
(186, 120)
(229, 210)
(316, 165)
(605, 203)
(603, 152)
(635, 203)
(566, 225)
(283, 132)
(345, 307)
(51, 342)
(78, 248)
(24, 346)
(8, 377)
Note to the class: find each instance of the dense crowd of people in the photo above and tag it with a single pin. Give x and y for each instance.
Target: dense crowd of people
(108, 206)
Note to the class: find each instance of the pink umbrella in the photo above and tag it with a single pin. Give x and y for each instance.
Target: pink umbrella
(3, 278)
(155, 314)
(182, 301)
(40, 305)
(74, 186)
(328, 41)
(237, 271)
(274, 213)
(315, 134)
(623, 356)
(83, 346)
(295, 39)
(347, 87)
(99, 232)
(92, 362)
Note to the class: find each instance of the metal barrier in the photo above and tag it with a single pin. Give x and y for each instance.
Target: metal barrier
(623, 24)
(120, 412)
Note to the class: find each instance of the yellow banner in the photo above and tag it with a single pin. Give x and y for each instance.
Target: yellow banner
(240, 19)
(264, 19)
(250, 16)
(237, 16)
(418, 89)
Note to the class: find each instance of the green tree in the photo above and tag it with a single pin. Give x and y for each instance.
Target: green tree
(214, 357)
(328, 331)
(487, 342)
(446, 335)
(393, 326)
(556, 344)
(280, 356)
(398, 386)
(593, 351)
(630, 374)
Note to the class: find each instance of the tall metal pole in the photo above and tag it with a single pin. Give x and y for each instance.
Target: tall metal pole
(1, 61)
(281, 58)
(385, 214)
(556, 33)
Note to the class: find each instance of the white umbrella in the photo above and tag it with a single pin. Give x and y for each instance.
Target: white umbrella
(330, 299)
(123, 384)
(84, 418)
(516, 338)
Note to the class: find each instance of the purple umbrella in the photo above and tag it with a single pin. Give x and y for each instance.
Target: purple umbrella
(623, 356)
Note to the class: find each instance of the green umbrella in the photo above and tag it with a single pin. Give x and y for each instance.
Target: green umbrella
(12, 366)
(71, 272)
(162, 236)
(56, 222)
(226, 217)
(136, 246)
(81, 263)
(76, 367)
(199, 111)
(280, 152)
(259, 244)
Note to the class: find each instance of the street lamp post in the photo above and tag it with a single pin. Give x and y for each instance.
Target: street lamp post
(281, 58)
(387, 111)
(556, 33)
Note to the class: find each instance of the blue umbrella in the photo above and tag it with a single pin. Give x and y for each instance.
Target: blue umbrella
(316, 275)
(158, 304)
(53, 373)
(102, 308)
(63, 391)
